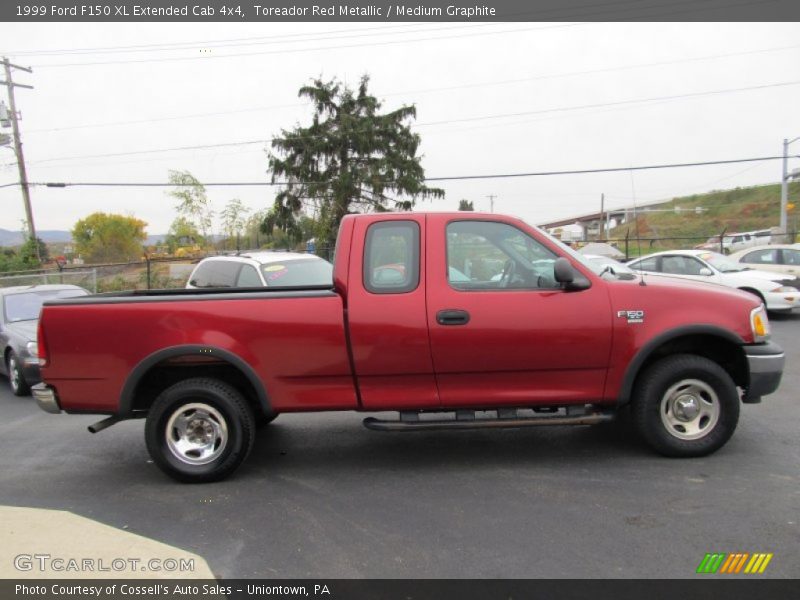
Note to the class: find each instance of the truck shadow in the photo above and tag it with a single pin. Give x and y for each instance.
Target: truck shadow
(339, 446)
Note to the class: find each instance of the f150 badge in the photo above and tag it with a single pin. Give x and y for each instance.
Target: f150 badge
(633, 316)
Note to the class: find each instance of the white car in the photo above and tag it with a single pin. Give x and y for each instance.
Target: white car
(262, 269)
(781, 258)
(774, 289)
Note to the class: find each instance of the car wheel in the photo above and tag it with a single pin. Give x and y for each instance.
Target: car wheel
(19, 387)
(264, 420)
(685, 406)
(199, 430)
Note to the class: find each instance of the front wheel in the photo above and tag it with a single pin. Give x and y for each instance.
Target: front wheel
(685, 406)
(199, 430)
(19, 387)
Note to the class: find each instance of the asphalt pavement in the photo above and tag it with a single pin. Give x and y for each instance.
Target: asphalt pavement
(322, 497)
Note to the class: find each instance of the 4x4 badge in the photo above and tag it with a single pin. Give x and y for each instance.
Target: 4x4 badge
(633, 316)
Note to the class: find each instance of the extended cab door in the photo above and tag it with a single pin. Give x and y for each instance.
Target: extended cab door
(387, 315)
(503, 332)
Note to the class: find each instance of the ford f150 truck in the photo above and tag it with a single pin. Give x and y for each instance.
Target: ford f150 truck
(455, 320)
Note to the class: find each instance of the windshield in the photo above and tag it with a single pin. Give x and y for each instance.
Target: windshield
(721, 262)
(26, 306)
(294, 273)
(595, 267)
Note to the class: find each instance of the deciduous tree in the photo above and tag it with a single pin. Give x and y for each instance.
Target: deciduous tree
(102, 237)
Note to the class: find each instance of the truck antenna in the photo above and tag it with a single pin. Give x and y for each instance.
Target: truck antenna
(636, 225)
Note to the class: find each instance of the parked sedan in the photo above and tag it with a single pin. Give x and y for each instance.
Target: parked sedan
(19, 318)
(774, 289)
(781, 258)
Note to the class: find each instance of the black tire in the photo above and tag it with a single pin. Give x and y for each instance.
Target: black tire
(668, 391)
(222, 414)
(264, 420)
(16, 380)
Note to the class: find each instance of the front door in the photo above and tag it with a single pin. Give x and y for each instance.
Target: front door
(503, 332)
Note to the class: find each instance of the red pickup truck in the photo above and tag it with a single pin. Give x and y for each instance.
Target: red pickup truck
(457, 321)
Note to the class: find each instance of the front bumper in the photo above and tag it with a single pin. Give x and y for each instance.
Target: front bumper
(785, 302)
(46, 398)
(765, 362)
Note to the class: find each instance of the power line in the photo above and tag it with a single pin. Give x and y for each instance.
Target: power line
(444, 122)
(313, 49)
(427, 90)
(618, 103)
(447, 178)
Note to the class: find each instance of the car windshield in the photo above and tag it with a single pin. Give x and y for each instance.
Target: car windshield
(302, 272)
(26, 306)
(722, 263)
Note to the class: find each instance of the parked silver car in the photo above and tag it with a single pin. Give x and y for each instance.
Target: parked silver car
(19, 319)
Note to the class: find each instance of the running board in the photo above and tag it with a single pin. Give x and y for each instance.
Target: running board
(406, 424)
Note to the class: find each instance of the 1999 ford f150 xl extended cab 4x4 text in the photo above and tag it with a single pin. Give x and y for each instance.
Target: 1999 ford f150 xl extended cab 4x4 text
(437, 316)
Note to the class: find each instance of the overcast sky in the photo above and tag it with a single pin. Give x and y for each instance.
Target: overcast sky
(461, 76)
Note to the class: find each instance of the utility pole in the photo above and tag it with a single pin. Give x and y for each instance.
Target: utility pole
(602, 217)
(491, 198)
(23, 175)
(785, 184)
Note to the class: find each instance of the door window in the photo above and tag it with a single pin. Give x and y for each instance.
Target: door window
(681, 265)
(391, 257)
(484, 255)
(646, 264)
(767, 256)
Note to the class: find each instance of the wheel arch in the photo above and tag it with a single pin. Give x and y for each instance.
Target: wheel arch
(184, 361)
(715, 343)
(755, 292)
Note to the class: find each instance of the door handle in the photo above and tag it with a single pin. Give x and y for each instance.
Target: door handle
(452, 316)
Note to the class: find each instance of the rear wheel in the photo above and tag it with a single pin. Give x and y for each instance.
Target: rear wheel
(199, 430)
(19, 387)
(686, 405)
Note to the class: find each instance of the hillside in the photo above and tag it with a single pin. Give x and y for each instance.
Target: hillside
(739, 209)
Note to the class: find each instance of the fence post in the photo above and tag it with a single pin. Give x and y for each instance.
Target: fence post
(147, 258)
(627, 235)
(721, 237)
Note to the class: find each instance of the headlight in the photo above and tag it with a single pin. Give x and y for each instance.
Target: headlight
(33, 349)
(759, 324)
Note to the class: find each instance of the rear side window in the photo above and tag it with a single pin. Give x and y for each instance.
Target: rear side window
(215, 273)
(248, 277)
(391, 257)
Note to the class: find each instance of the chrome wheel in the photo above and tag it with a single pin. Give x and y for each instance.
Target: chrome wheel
(690, 409)
(196, 434)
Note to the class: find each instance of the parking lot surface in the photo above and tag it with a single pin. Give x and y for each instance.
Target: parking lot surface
(320, 496)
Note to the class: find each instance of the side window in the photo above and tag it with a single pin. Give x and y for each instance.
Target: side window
(791, 257)
(489, 255)
(767, 256)
(674, 265)
(215, 273)
(646, 264)
(391, 257)
(248, 277)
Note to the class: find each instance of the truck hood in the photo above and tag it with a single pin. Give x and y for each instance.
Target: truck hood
(703, 291)
(25, 330)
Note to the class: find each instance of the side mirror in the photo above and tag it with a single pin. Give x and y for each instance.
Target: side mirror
(566, 275)
(563, 271)
(705, 271)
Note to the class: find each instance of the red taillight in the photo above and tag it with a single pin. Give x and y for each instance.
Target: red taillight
(42, 346)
